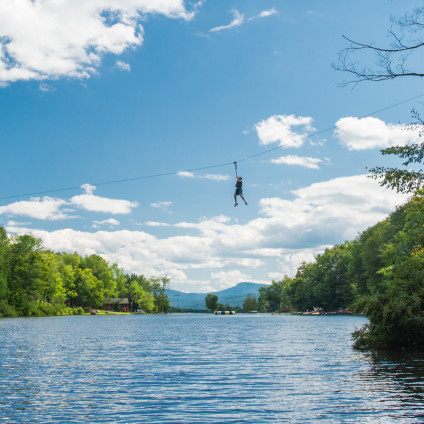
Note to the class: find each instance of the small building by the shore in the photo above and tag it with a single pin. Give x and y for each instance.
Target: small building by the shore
(117, 304)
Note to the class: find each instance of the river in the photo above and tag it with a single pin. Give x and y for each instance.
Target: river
(198, 368)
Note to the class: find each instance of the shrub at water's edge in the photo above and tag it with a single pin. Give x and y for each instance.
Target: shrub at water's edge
(38, 309)
(395, 307)
(396, 316)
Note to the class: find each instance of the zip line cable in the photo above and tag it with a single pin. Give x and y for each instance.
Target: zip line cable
(144, 177)
(202, 168)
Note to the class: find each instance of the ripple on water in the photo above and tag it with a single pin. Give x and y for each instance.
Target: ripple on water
(200, 369)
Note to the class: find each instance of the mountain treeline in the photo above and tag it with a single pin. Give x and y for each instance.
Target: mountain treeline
(35, 281)
(250, 304)
(380, 273)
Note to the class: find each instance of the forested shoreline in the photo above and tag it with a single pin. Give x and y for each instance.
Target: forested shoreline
(380, 273)
(36, 282)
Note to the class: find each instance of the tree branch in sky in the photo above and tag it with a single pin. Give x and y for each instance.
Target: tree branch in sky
(391, 61)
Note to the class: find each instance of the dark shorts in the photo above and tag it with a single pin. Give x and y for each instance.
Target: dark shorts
(239, 191)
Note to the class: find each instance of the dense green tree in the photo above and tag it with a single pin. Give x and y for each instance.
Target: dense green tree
(67, 273)
(224, 307)
(55, 292)
(158, 288)
(120, 280)
(146, 301)
(4, 263)
(394, 297)
(334, 290)
(355, 270)
(371, 241)
(89, 289)
(141, 280)
(402, 180)
(28, 273)
(139, 297)
(138, 291)
(102, 271)
(72, 259)
(396, 310)
(396, 317)
(250, 303)
(274, 298)
(300, 291)
(35, 281)
(211, 302)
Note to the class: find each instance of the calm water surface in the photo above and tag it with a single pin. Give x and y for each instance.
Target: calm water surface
(200, 369)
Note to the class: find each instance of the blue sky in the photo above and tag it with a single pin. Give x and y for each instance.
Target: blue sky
(108, 91)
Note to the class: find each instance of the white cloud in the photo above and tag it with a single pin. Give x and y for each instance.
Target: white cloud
(250, 262)
(161, 205)
(290, 261)
(285, 233)
(123, 66)
(135, 251)
(39, 208)
(88, 188)
(91, 202)
(266, 13)
(53, 209)
(329, 212)
(51, 39)
(267, 252)
(237, 21)
(207, 226)
(319, 143)
(279, 128)
(111, 222)
(17, 223)
(371, 133)
(156, 224)
(276, 276)
(185, 174)
(194, 286)
(307, 162)
(228, 279)
(46, 88)
(214, 177)
(320, 214)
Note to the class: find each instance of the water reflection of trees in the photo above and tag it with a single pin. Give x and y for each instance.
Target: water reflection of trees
(395, 382)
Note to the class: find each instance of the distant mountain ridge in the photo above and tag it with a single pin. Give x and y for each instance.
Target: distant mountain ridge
(233, 296)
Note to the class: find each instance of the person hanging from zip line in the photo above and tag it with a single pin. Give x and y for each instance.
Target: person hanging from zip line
(239, 191)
